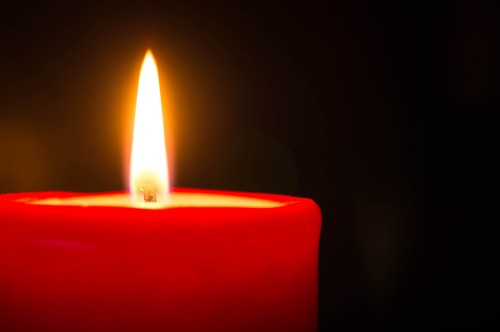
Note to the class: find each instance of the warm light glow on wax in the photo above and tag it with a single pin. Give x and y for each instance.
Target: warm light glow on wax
(148, 164)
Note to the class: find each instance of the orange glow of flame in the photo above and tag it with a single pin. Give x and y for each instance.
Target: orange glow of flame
(148, 164)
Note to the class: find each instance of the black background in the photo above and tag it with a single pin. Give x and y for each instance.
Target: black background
(382, 113)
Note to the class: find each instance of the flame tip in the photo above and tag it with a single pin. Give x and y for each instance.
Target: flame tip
(149, 54)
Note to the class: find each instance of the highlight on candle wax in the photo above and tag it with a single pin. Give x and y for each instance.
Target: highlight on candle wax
(148, 177)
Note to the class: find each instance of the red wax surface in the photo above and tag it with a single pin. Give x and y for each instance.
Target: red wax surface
(74, 268)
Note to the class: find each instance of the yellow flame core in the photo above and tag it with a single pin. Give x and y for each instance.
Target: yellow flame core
(148, 165)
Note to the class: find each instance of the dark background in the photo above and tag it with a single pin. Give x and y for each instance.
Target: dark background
(382, 113)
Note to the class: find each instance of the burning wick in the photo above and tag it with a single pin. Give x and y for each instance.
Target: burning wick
(149, 192)
(148, 176)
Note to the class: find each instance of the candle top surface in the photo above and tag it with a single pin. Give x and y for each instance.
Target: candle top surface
(178, 199)
(114, 211)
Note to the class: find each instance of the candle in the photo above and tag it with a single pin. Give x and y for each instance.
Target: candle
(155, 260)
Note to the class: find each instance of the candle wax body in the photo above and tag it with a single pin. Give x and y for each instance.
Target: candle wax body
(205, 268)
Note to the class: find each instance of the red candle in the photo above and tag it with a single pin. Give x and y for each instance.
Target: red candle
(235, 262)
(151, 260)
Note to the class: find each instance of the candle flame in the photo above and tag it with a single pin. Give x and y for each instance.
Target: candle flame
(148, 165)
